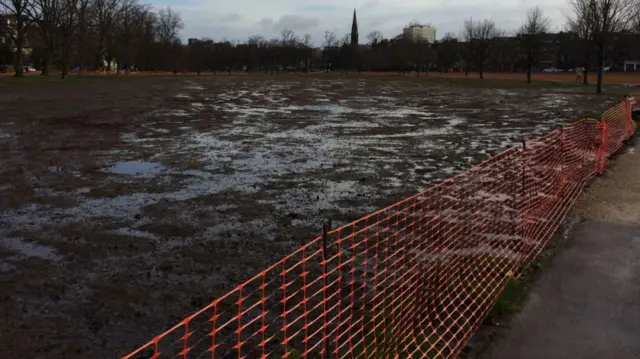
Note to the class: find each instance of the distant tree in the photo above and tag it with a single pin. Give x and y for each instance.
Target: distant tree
(609, 16)
(130, 30)
(84, 37)
(255, 53)
(330, 39)
(375, 37)
(6, 54)
(401, 54)
(447, 51)
(306, 48)
(197, 55)
(45, 15)
(18, 11)
(635, 18)
(530, 34)
(104, 17)
(580, 22)
(479, 39)
(147, 48)
(168, 26)
(288, 45)
(346, 39)
(422, 55)
(70, 11)
(346, 53)
(330, 53)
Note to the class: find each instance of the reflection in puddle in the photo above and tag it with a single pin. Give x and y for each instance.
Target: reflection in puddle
(137, 168)
(29, 249)
(129, 232)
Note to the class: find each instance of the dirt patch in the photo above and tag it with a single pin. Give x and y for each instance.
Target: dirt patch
(614, 205)
(129, 203)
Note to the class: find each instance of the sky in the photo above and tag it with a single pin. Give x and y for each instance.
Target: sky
(237, 20)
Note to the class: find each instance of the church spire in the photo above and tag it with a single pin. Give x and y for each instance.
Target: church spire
(354, 29)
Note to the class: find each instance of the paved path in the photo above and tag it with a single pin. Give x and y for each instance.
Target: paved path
(587, 303)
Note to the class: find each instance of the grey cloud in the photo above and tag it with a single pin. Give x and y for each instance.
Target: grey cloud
(266, 22)
(296, 22)
(369, 5)
(231, 18)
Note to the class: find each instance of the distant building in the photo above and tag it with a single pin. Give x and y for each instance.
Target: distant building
(354, 30)
(416, 32)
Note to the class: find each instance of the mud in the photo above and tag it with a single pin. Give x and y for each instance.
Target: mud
(126, 204)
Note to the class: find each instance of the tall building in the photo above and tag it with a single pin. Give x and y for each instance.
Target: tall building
(416, 32)
(354, 30)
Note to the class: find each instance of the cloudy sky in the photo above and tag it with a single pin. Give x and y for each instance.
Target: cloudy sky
(238, 19)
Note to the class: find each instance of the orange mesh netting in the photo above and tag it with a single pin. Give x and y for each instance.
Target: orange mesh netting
(414, 279)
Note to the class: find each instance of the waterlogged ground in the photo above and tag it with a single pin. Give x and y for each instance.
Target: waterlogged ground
(126, 204)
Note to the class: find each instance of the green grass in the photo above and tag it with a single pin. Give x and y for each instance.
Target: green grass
(516, 292)
(512, 298)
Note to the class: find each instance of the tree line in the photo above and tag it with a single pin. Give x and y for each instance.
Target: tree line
(91, 33)
(95, 33)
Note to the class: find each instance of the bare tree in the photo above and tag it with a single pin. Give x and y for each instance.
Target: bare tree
(129, 32)
(375, 37)
(84, 37)
(635, 17)
(69, 18)
(609, 16)
(306, 47)
(530, 34)
(287, 36)
(580, 22)
(479, 42)
(594, 21)
(288, 42)
(422, 55)
(167, 29)
(169, 26)
(106, 13)
(346, 39)
(145, 54)
(18, 11)
(447, 52)
(330, 39)
(45, 14)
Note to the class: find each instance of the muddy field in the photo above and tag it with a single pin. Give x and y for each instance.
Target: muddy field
(128, 203)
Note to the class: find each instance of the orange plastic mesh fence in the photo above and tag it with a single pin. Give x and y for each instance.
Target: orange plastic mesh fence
(414, 279)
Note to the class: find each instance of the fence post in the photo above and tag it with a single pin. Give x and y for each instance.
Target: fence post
(524, 206)
(628, 120)
(602, 152)
(326, 226)
(563, 159)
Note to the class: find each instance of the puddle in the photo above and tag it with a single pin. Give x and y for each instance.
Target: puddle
(194, 87)
(137, 168)
(133, 233)
(6, 267)
(32, 250)
(166, 112)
